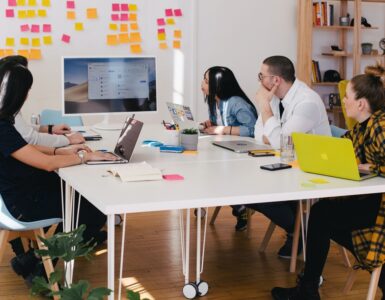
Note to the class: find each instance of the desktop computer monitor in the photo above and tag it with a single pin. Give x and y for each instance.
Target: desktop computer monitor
(109, 85)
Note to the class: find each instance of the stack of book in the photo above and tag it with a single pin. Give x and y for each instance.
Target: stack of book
(315, 72)
(323, 13)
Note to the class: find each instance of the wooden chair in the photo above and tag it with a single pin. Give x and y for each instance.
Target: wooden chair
(372, 285)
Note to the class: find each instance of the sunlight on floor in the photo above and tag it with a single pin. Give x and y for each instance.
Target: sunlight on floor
(131, 283)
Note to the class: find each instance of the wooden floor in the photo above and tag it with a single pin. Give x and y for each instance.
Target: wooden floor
(233, 267)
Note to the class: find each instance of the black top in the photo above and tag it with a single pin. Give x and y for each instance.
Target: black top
(16, 178)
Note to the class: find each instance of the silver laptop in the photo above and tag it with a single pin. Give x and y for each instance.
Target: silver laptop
(182, 116)
(126, 143)
(241, 146)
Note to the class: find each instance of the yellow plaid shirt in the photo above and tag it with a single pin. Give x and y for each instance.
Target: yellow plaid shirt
(369, 146)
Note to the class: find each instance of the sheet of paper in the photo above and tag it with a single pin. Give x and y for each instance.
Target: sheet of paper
(71, 15)
(134, 26)
(177, 12)
(24, 28)
(124, 7)
(161, 22)
(35, 42)
(31, 13)
(42, 13)
(177, 34)
(123, 27)
(35, 28)
(170, 21)
(136, 49)
(176, 44)
(47, 40)
(163, 45)
(92, 13)
(35, 54)
(10, 42)
(133, 17)
(12, 3)
(161, 36)
(132, 7)
(112, 40)
(24, 41)
(66, 38)
(168, 12)
(79, 26)
(115, 7)
(9, 13)
(113, 26)
(173, 177)
(23, 52)
(318, 181)
(46, 3)
(70, 4)
(124, 38)
(135, 37)
(47, 28)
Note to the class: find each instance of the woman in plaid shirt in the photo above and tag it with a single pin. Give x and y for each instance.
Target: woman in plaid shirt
(355, 222)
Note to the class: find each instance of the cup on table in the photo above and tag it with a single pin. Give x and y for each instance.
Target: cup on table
(172, 137)
(287, 148)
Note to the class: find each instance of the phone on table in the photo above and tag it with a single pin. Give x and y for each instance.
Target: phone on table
(275, 167)
(260, 153)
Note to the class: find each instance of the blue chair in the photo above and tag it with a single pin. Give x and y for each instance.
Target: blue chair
(337, 131)
(50, 116)
(11, 228)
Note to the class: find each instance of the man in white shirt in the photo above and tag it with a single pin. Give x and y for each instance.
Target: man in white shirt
(285, 105)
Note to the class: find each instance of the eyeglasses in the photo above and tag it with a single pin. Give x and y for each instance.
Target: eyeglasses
(261, 76)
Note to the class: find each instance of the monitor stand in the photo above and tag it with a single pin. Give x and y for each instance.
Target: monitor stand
(106, 125)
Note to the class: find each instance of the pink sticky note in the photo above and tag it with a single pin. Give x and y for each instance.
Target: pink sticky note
(35, 28)
(12, 3)
(177, 12)
(70, 4)
(47, 28)
(161, 22)
(161, 30)
(124, 7)
(123, 17)
(66, 38)
(168, 12)
(9, 13)
(24, 27)
(115, 7)
(115, 17)
(173, 177)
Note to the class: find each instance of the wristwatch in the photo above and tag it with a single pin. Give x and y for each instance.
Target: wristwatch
(82, 155)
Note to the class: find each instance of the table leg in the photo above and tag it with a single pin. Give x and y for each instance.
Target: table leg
(111, 255)
(67, 227)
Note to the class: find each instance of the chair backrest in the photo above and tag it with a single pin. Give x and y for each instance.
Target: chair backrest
(50, 116)
(337, 131)
(342, 91)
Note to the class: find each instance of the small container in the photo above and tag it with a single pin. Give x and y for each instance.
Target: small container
(287, 148)
(366, 48)
(172, 137)
(189, 141)
(344, 21)
(35, 119)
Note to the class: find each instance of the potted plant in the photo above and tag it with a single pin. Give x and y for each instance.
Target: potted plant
(189, 139)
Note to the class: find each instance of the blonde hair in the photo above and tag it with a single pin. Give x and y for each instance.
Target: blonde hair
(377, 70)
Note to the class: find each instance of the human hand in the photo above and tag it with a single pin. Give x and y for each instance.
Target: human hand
(206, 124)
(72, 149)
(75, 138)
(364, 167)
(99, 155)
(215, 130)
(61, 129)
(264, 96)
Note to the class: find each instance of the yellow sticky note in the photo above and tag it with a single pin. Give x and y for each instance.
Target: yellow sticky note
(123, 38)
(177, 34)
(170, 21)
(42, 13)
(161, 36)
(294, 164)
(79, 26)
(47, 40)
(22, 14)
(307, 184)
(318, 180)
(132, 17)
(23, 52)
(113, 26)
(20, 2)
(32, 2)
(2, 53)
(190, 152)
(163, 45)
(123, 28)
(132, 7)
(112, 40)
(134, 26)
(92, 13)
(24, 41)
(71, 15)
(8, 52)
(35, 54)
(135, 37)
(136, 49)
(176, 44)
(46, 3)
(10, 42)
(36, 42)
(31, 13)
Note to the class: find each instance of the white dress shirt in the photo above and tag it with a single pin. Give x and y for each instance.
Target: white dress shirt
(304, 112)
(32, 135)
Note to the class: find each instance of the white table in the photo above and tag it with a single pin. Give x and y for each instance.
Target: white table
(214, 177)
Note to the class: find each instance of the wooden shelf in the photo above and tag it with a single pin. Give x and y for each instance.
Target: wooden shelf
(324, 83)
(338, 27)
(337, 55)
(373, 55)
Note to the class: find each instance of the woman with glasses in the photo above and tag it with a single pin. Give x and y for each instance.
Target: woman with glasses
(230, 111)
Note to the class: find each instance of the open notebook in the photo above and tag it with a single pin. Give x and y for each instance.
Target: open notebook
(136, 172)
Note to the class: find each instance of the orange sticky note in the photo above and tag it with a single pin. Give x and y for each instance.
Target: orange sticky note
(42, 13)
(113, 26)
(32, 2)
(132, 17)
(112, 40)
(136, 49)
(123, 38)
(22, 14)
(135, 37)
(2, 53)
(35, 54)
(31, 13)
(123, 27)
(10, 42)
(161, 36)
(79, 26)
(177, 34)
(71, 15)
(24, 41)
(134, 26)
(92, 13)
(23, 52)
(36, 42)
(8, 52)
(170, 21)
(20, 2)
(46, 3)
(163, 46)
(132, 7)
(176, 44)
(47, 40)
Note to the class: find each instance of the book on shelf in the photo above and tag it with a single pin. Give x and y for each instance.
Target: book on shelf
(316, 73)
(323, 13)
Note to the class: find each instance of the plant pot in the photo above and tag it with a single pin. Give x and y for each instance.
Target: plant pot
(366, 48)
(189, 141)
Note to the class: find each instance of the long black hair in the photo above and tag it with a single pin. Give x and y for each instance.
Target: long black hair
(223, 84)
(7, 62)
(15, 85)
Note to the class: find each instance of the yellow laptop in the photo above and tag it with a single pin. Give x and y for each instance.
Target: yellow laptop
(327, 156)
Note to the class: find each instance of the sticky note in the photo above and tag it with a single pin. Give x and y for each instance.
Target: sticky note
(2, 53)
(47, 40)
(32, 2)
(22, 14)
(170, 21)
(24, 41)
(10, 42)
(124, 38)
(133, 17)
(23, 52)
(177, 34)
(318, 181)
(8, 52)
(113, 26)
(124, 7)
(307, 184)
(20, 2)
(161, 22)
(161, 36)
(31, 13)
(173, 177)
(92, 13)
(10, 13)
(66, 38)
(115, 7)
(123, 17)
(79, 26)
(161, 30)
(24, 28)
(36, 42)
(163, 45)
(70, 4)
(177, 12)
(112, 40)
(123, 27)
(71, 15)
(168, 12)
(133, 7)
(134, 26)
(135, 37)
(12, 3)
(42, 13)
(35, 54)
(35, 28)
(176, 44)
(190, 152)
(136, 49)
(46, 3)
(47, 28)
(294, 164)
(115, 17)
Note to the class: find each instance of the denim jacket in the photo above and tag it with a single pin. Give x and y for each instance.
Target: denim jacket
(235, 111)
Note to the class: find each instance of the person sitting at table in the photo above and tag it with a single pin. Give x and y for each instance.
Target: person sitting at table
(230, 112)
(28, 184)
(355, 222)
(285, 105)
(50, 135)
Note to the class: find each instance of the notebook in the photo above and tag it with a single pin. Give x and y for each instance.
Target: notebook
(136, 172)
(125, 144)
(241, 146)
(326, 155)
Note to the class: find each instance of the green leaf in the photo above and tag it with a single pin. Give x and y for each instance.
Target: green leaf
(55, 277)
(75, 292)
(98, 294)
(40, 286)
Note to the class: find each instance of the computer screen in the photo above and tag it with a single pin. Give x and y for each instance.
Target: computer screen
(105, 85)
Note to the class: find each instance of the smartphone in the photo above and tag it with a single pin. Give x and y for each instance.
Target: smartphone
(274, 167)
(260, 154)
